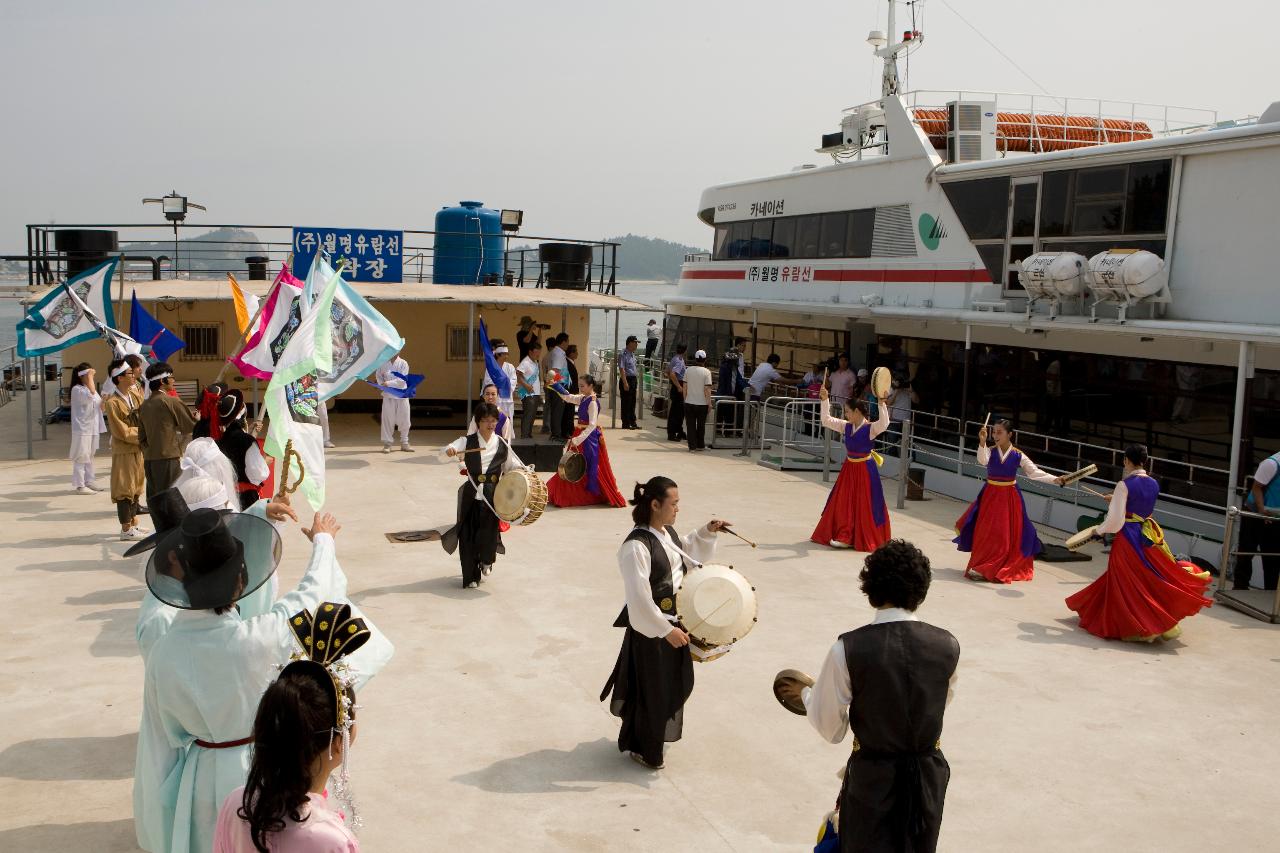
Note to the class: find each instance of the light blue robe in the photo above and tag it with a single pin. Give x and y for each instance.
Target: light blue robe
(204, 677)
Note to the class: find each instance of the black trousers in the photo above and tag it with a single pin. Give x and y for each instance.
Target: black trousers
(650, 683)
(650, 347)
(528, 413)
(675, 414)
(161, 474)
(554, 415)
(628, 396)
(474, 536)
(892, 803)
(1257, 536)
(695, 425)
(126, 510)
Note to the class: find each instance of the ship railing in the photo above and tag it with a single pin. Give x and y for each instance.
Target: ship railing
(14, 380)
(150, 253)
(1259, 603)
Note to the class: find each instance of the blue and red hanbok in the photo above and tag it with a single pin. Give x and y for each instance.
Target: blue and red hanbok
(1145, 592)
(995, 530)
(599, 485)
(855, 515)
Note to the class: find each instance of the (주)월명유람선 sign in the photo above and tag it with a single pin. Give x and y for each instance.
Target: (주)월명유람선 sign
(370, 255)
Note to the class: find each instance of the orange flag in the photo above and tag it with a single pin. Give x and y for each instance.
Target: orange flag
(246, 304)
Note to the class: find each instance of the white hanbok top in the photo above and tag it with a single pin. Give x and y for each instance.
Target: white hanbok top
(86, 411)
(385, 376)
(1029, 469)
(488, 450)
(634, 564)
(879, 425)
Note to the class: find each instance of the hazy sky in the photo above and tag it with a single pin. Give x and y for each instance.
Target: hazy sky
(596, 118)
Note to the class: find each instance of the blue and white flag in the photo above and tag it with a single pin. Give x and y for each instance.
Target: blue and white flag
(151, 333)
(411, 382)
(496, 374)
(363, 339)
(77, 311)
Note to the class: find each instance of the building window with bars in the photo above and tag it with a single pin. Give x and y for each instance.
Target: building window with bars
(201, 341)
(457, 337)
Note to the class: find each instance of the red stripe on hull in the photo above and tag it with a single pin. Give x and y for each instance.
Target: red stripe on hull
(873, 276)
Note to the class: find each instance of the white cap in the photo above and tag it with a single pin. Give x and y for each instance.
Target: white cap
(700, 354)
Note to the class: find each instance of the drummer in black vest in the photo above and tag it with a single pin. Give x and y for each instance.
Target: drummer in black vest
(475, 535)
(890, 682)
(241, 448)
(653, 676)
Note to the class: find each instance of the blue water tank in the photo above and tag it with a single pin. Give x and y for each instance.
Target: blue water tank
(468, 246)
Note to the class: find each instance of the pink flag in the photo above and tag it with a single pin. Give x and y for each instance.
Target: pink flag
(279, 317)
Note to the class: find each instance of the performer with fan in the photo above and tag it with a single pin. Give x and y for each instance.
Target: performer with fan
(995, 530)
(1144, 593)
(855, 515)
(653, 676)
(303, 732)
(241, 448)
(599, 485)
(475, 535)
(205, 675)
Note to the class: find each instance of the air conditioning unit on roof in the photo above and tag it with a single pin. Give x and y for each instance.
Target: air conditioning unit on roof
(971, 131)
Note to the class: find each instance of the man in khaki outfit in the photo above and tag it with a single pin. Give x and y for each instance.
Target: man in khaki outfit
(163, 420)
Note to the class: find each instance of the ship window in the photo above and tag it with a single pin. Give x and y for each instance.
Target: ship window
(1099, 200)
(1024, 211)
(1108, 181)
(807, 228)
(862, 226)
(739, 240)
(993, 259)
(721, 248)
(201, 341)
(784, 237)
(1055, 192)
(1017, 252)
(982, 205)
(834, 226)
(761, 238)
(1148, 200)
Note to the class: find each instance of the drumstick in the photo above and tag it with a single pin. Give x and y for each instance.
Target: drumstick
(824, 376)
(1094, 492)
(739, 535)
(987, 421)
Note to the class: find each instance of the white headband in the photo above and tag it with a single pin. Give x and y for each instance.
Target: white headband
(121, 369)
(501, 351)
(159, 377)
(215, 501)
(84, 372)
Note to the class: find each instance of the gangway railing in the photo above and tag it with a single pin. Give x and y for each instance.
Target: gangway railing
(1261, 604)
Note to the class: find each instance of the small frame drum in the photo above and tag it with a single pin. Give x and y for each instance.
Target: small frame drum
(717, 606)
(572, 467)
(1078, 540)
(881, 382)
(791, 676)
(1087, 471)
(517, 491)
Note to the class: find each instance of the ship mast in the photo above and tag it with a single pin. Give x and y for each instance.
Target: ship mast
(889, 82)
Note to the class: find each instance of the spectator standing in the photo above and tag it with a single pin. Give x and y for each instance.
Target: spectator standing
(842, 380)
(567, 412)
(627, 380)
(1261, 535)
(652, 333)
(696, 387)
(557, 362)
(764, 375)
(529, 377)
(675, 397)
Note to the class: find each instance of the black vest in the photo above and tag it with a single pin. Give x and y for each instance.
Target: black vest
(488, 480)
(660, 584)
(900, 673)
(235, 444)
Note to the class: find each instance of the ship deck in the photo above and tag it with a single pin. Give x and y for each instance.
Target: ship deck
(485, 732)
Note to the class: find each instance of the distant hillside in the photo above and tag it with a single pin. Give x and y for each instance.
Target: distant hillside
(649, 258)
(218, 250)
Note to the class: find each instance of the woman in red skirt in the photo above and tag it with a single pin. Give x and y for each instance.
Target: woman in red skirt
(995, 530)
(855, 515)
(598, 486)
(1144, 593)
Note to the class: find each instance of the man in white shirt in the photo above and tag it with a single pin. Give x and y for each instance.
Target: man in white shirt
(506, 405)
(395, 410)
(1261, 535)
(528, 376)
(896, 777)
(652, 334)
(763, 375)
(696, 388)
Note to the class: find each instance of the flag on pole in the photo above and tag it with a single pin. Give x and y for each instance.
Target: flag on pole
(246, 304)
(151, 333)
(362, 337)
(496, 374)
(276, 323)
(293, 398)
(60, 319)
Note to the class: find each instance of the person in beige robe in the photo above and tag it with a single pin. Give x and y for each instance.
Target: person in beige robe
(127, 477)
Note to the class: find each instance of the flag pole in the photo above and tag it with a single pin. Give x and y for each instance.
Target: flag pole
(253, 322)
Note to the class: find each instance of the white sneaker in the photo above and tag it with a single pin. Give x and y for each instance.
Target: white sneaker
(406, 448)
(486, 569)
(132, 534)
(386, 448)
(835, 543)
(473, 585)
(95, 487)
(84, 490)
(143, 530)
(330, 444)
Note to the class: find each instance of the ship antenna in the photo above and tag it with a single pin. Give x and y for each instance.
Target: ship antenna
(890, 84)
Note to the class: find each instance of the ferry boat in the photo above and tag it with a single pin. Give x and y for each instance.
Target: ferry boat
(1098, 272)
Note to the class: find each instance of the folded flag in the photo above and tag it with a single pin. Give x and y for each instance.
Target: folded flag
(246, 304)
(411, 381)
(151, 333)
(293, 396)
(496, 374)
(77, 311)
(276, 323)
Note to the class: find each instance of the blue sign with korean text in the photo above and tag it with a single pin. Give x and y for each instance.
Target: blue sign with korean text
(369, 255)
